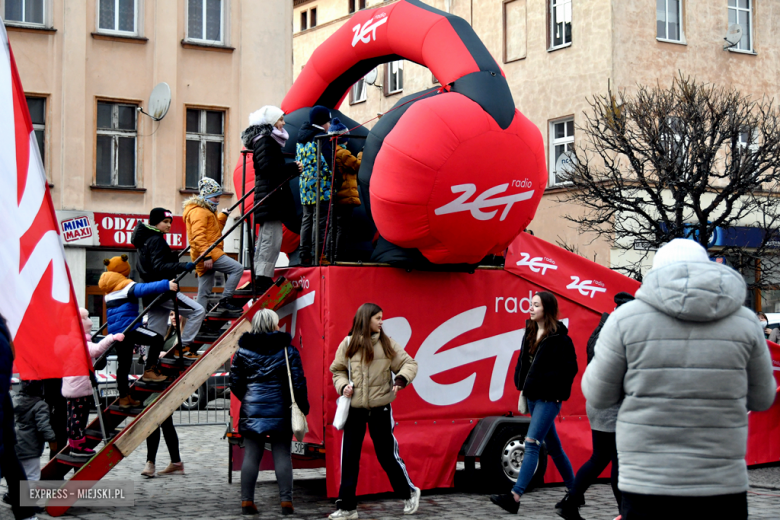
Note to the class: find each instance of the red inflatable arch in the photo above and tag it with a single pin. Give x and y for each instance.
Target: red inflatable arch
(461, 172)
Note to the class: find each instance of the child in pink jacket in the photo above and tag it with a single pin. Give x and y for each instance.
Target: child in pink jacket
(78, 391)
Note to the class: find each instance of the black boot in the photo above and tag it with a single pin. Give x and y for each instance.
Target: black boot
(263, 283)
(568, 508)
(506, 502)
(569, 498)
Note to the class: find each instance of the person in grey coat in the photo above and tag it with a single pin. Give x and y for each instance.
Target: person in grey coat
(689, 362)
(32, 427)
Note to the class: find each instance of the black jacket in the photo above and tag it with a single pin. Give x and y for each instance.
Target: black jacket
(270, 171)
(155, 260)
(594, 337)
(550, 376)
(258, 378)
(7, 433)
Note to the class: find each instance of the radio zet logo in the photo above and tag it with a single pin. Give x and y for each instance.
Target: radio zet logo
(76, 229)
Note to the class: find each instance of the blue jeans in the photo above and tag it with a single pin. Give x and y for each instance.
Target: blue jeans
(542, 427)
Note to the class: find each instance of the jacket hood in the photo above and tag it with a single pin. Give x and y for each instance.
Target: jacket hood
(694, 291)
(308, 131)
(253, 131)
(111, 281)
(141, 233)
(196, 200)
(23, 403)
(265, 343)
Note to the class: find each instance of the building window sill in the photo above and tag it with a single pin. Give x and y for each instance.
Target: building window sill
(217, 47)
(119, 38)
(394, 93)
(559, 47)
(740, 51)
(39, 29)
(132, 189)
(678, 42)
(558, 188)
(358, 102)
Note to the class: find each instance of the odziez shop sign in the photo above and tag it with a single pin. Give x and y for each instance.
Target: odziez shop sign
(87, 228)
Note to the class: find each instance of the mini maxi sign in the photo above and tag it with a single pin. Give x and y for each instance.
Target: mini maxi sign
(76, 229)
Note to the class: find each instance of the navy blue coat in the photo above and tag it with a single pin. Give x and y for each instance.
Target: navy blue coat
(122, 305)
(258, 378)
(7, 433)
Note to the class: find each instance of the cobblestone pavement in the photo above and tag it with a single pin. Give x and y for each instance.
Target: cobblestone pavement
(204, 492)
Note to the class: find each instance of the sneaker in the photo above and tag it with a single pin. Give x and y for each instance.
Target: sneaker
(343, 514)
(78, 450)
(174, 468)
(412, 503)
(225, 308)
(153, 376)
(506, 502)
(148, 470)
(128, 402)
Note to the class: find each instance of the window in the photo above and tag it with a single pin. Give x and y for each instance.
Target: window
(748, 139)
(560, 23)
(29, 12)
(514, 30)
(741, 12)
(116, 144)
(395, 77)
(118, 16)
(358, 92)
(205, 146)
(359, 4)
(304, 20)
(37, 107)
(668, 20)
(205, 20)
(561, 141)
(313, 17)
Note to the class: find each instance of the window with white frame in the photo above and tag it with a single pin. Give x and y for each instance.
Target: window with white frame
(118, 16)
(37, 108)
(117, 135)
(561, 142)
(205, 20)
(741, 12)
(358, 93)
(668, 20)
(560, 23)
(748, 139)
(395, 77)
(26, 12)
(205, 146)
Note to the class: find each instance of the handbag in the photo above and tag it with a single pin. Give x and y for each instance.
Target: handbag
(522, 404)
(343, 404)
(299, 425)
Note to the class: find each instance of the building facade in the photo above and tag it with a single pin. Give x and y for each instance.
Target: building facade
(88, 68)
(556, 54)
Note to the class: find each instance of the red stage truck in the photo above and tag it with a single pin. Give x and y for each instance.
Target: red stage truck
(465, 331)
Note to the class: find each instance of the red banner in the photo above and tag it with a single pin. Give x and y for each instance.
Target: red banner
(116, 230)
(566, 274)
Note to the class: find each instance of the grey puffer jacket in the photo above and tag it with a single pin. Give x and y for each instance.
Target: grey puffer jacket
(689, 362)
(32, 426)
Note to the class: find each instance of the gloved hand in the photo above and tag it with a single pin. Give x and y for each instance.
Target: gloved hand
(189, 266)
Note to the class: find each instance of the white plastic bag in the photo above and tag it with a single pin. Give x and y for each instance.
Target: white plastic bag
(342, 405)
(522, 404)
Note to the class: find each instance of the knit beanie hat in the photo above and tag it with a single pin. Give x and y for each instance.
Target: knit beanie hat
(117, 264)
(337, 127)
(267, 115)
(209, 188)
(680, 250)
(157, 215)
(622, 297)
(319, 115)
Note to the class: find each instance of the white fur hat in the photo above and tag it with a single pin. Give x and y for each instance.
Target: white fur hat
(680, 250)
(267, 115)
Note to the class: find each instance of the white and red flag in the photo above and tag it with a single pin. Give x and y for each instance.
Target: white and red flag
(36, 293)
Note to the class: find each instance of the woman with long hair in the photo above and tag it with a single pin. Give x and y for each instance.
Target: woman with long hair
(544, 374)
(370, 358)
(258, 378)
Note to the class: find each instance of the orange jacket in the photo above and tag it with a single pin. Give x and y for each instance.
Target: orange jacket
(347, 165)
(204, 227)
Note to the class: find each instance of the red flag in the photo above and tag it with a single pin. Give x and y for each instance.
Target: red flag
(36, 295)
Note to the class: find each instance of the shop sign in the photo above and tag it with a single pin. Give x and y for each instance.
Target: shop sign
(76, 228)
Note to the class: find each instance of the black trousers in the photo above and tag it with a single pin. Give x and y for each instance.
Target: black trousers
(337, 231)
(647, 507)
(307, 229)
(604, 452)
(124, 354)
(171, 440)
(58, 411)
(380, 426)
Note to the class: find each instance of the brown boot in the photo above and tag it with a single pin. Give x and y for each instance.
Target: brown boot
(153, 376)
(287, 508)
(248, 508)
(128, 402)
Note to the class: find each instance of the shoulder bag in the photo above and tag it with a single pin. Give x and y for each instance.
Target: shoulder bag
(343, 404)
(299, 425)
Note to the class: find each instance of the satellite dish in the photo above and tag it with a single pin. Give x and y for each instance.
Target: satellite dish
(565, 163)
(159, 101)
(371, 77)
(734, 35)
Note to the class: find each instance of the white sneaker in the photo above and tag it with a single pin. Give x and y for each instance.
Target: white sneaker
(411, 505)
(341, 514)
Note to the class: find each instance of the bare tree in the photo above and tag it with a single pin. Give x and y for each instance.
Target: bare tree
(693, 160)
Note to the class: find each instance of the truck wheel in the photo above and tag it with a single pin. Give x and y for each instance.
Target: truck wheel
(197, 401)
(503, 456)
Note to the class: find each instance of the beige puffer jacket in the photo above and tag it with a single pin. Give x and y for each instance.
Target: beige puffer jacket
(374, 382)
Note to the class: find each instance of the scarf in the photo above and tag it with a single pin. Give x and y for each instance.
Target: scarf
(280, 136)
